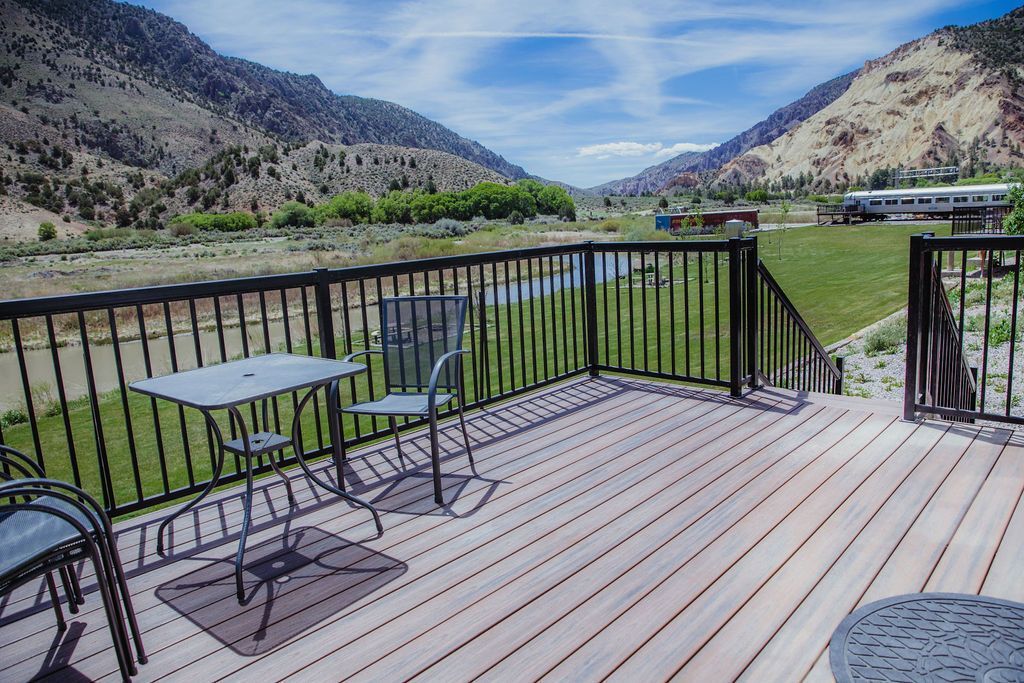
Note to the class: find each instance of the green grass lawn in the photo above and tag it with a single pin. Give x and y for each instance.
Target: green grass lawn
(840, 278)
(843, 278)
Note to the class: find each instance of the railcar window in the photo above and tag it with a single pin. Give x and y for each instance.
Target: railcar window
(907, 200)
(999, 197)
(942, 200)
(979, 198)
(961, 199)
(876, 202)
(892, 202)
(924, 200)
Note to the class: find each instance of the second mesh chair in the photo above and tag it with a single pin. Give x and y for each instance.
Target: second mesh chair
(421, 342)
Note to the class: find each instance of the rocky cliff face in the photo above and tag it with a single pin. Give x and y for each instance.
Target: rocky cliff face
(936, 100)
(663, 177)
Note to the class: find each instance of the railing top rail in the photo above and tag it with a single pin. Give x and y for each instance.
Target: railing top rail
(988, 242)
(116, 298)
(773, 285)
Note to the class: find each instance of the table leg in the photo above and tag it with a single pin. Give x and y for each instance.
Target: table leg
(336, 433)
(247, 503)
(209, 487)
(336, 445)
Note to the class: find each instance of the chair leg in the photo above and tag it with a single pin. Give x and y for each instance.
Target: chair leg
(122, 587)
(465, 433)
(393, 423)
(435, 458)
(51, 587)
(69, 591)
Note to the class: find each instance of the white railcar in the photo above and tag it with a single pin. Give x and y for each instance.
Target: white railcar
(877, 204)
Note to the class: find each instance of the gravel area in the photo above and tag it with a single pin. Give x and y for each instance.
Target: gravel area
(873, 372)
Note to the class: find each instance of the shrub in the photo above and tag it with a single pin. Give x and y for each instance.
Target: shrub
(222, 222)
(645, 233)
(47, 231)
(516, 217)
(887, 337)
(13, 416)
(182, 229)
(357, 207)
(609, 225)
(292, 214)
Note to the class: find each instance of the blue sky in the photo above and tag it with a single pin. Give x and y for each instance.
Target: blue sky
(582, 91)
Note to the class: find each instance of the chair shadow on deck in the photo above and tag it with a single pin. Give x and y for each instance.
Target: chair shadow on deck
(292, 584)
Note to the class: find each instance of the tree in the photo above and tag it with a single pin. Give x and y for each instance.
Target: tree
(663, 203)
(47, 231)
(355, 206)
(784, 208)
(1013, 223)
(516, 218)
(292, 214)
(607, 202)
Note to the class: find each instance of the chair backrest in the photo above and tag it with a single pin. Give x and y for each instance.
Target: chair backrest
(415, 332)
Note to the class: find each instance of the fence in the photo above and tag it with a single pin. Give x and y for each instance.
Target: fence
(963, 331)
(676, 310)
(979, 221)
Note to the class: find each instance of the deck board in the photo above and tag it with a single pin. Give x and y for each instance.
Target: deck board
(612, 527)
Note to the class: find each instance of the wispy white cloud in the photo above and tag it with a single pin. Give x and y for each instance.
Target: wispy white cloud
(539, 81)
(618, 149)
(656, 150)
(681, 147)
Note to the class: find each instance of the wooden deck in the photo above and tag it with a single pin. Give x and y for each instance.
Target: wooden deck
(614, 529)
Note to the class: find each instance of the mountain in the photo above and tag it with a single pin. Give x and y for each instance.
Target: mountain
(954, 96)
(656, 178)
(126, 43)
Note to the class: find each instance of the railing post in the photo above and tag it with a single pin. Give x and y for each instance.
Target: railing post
(915, 295)
(324, 314)
(590, 301)
(752, 312)
(840, 364)
(735, 320)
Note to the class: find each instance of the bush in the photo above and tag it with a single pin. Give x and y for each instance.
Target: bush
(47, 231)
(609, 225)
(292, 214)
(645, 233)
(356, 207)
(516, 218)
(223, 222)
(182, 229)
(887, 337)
(13, 416)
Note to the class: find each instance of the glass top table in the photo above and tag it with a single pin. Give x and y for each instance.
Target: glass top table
(931, 637)
(247, 381)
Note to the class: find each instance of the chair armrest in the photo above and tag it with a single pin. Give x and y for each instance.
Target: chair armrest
(14, 454)
(435, 374)
(356, 354)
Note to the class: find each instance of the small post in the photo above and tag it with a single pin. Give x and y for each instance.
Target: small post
(324, 314)
(735, 320)
(914, 298)
(590, 302)
(840, 363)
(751, 262)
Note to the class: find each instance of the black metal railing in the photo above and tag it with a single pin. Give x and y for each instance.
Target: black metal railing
(979, 221)
(684, 311)
(789, 355)
(963, 331)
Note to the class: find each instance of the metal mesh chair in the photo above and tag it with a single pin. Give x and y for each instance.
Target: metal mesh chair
(420, 337)
(48, 525)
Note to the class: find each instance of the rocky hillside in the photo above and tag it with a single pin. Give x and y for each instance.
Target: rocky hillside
(116, 48)
(955, 96)
(681, 171)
